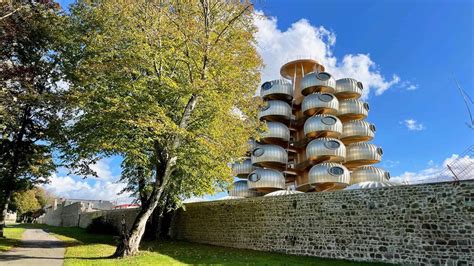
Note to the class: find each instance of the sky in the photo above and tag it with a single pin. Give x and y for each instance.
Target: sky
(406, 54)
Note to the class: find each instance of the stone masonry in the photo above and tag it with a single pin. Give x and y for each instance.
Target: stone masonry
(419, 224)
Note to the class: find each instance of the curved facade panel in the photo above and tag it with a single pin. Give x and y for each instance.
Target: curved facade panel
(369, 173)
(326, 150)
(242, 168)
(269, 155)
(279, 89)
(320, 103)
(323, 126)
(362, 153)
(283, 192)
(240, 189)
(352, 109)
(318, 82)
(276, 131)
(348, 88)
(328, 176)
(357, 131)
(275, 110)
(266, 180)
(371, 184)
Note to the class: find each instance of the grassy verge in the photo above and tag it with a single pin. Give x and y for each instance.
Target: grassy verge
(92, 249)
(12, 237)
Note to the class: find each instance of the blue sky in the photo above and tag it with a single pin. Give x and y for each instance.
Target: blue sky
(405, 51)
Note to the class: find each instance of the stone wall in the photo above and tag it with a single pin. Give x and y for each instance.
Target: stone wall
(114, 217)
(427, 224)
(70, 214)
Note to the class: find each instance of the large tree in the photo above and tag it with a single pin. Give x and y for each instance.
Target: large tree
(29, 95)
(168, 85)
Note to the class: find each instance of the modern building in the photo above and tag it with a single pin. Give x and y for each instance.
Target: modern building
(317, 138)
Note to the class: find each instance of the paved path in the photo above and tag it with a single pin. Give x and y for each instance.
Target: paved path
(37, 248)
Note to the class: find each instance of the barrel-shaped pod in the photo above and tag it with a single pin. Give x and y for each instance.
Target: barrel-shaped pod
(266, 180)
(352, 109)
(242, 168)
(325, 150)
(276, 131)
(323, 126)
(280, 89)
(348, 88)
(362, 153)
(369, 173)
(269, 155)
(251, 145)
(328, 176)
(320, 103)
(275, 110)
(240, 188)
(318, 82)
(357, 131)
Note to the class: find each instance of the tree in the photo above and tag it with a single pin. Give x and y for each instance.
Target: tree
(169, 86)
(25, 201)
(29, 97)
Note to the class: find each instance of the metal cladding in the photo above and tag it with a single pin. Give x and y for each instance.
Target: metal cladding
(320, 103)
(266, 180)
(283, 192)
(316, 134)
(352, 109)
(371, 184)
(279, 89)
(323, 126)
(326, 150)
(357, 131)
(240, 189)
(269, 155)
(369, 173)
(328, 176)
(359, 154)
(276, 131)
(275, 110)
(318, 82)
(348, 88)
(243, 168)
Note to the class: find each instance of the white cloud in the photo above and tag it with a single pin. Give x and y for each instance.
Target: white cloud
(78, 188)
(303, 40)
(102, 169)
(408, 85)
(413, 125)
(463, 167)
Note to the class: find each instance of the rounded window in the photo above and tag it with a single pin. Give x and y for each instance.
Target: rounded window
(258, 152)
(380, 151)
(329, 120)
(336, 170)
(267, 85)
(372, 127)
(266, 107)
(360, 85)
(332, 144)
(325, 97)
(387, 175)
(254, 177)
(323, 76)
(366, 106)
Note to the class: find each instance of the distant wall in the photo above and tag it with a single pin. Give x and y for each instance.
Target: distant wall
(114, 217)
(70, 214)
(420, 224)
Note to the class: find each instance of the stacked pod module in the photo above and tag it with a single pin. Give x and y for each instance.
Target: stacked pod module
(317, 138)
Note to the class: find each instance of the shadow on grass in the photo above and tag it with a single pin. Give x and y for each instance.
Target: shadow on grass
(160, 252)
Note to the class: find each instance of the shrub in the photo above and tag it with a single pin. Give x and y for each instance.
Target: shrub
(100, 225)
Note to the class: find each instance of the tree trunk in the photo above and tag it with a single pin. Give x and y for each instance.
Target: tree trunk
(3, 215)
(130, 240)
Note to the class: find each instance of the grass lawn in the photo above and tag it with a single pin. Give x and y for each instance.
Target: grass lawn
(12, 237)
(92, 249)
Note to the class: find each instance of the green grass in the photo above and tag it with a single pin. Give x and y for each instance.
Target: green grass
(92, 249)
(12, 237)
